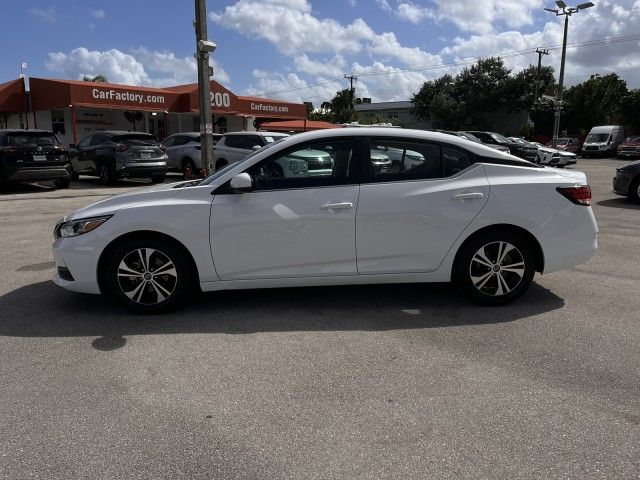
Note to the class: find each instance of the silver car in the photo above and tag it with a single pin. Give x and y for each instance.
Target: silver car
(553, 157)
(183, 152)
(237, 145)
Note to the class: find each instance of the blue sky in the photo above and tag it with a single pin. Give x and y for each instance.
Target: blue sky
(299, 49)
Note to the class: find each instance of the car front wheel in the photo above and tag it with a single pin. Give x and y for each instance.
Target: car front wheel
(634, 190)
(147, 274)
(495, 268)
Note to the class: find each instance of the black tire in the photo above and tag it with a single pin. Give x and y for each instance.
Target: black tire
(494, 285)
(158, 178)
(63, 182)
(73, 174)
(221, 164)
(107, 174)
(147, 293)
(634, 193)
(187, 163)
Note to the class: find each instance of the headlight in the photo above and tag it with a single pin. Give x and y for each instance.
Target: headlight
(78, 227)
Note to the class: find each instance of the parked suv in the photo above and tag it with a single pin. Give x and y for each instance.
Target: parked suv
(526, 150)
(630, 147)
(235, 146)
(33, 155)
(119, 154)
(183, 152)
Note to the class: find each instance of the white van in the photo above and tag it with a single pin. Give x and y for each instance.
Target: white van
(603, 140)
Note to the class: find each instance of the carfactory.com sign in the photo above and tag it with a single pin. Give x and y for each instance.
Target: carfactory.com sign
(126, 96)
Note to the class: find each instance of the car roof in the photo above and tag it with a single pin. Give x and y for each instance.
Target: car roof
(257, 133)
(120, 132)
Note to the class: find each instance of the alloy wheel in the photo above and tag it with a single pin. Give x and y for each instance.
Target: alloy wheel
(497, 268)
(147, 276)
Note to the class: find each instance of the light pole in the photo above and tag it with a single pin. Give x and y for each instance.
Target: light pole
(205, 47)
(563, 9)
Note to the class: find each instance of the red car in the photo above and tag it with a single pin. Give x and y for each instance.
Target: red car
(568, 144)
(630, 147)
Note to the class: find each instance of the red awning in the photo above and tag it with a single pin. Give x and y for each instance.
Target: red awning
(12, 97)
(297, 126)
(266, 108)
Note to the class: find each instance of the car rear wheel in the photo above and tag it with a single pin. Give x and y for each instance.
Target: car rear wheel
(107, 174)
(221, 164)
(495, 268)
(147, 274)
(63, 182)
(634, 190)
(188, 169)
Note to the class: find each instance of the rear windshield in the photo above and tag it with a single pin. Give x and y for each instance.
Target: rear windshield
(25, 139)
(137, 140)
(597, 137)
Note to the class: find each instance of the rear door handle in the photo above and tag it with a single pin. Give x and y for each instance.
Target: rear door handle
(336, 206)
(468, 196)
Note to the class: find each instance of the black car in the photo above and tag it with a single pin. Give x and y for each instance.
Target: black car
(627, 181)
(493, 139)
(33, 155)
(119, 154)
(528, 150)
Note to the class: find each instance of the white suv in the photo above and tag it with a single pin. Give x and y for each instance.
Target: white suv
(235, 146)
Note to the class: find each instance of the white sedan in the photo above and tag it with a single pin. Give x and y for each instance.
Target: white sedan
(553, 157)
(465, 213)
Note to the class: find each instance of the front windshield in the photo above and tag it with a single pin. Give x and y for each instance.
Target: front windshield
(218, 173)
(597, 138)
(499, 138)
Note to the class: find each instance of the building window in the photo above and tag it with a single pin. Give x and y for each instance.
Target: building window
(57, 122)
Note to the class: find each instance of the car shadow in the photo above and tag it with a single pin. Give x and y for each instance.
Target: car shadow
(622, 202)
(45, 310)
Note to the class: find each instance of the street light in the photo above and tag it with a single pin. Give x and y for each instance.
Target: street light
(563, 9)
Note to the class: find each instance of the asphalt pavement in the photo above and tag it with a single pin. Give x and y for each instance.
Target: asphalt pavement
(385, 381)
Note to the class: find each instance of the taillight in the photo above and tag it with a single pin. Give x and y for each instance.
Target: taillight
(580, 195)
(121, 147)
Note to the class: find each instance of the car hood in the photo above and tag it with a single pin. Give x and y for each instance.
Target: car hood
(137, 197)
(630, 144)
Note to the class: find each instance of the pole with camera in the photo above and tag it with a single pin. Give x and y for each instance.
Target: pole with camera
(204, 49)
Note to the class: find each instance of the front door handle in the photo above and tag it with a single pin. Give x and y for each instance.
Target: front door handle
(336, 206)
(468, 196)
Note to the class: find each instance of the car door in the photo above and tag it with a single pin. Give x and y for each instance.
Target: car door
(79, 156)
(408, 219)
(169, 144)
(91, 152)
(294, 223)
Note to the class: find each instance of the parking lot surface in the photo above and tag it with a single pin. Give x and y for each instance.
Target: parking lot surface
(395, 381)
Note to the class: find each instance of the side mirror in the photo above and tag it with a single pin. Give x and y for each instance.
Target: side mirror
(255, 148)
(241, 183)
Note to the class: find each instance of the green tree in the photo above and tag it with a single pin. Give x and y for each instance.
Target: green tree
(594, 102)
(446, 112)
(341, 107)
(541, 113)
(422, 100)
(521, 88)
(483, 86)
(630, 110)
(97, 79)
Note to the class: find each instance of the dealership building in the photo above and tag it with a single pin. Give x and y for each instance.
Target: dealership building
(73, 108)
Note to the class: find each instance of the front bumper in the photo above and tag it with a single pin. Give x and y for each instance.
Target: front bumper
(141, 169)
(629, 153)
(38, 174)
(79, 255)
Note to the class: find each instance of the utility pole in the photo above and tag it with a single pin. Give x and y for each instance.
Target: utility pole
(563, 9)
(351, 78)
(540, 53)
(204, 48)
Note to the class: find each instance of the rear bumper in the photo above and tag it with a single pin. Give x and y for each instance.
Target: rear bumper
(35, 174)
(142, 169)
(568, 238)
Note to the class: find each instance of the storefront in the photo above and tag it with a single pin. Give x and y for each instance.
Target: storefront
(13, 105)
(73, 108)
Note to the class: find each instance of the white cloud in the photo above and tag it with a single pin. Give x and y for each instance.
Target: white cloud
(332, 68)
(140, 66)
(47, 15)
(472, 15)
(291, 28)
(384, 5)
(386, 45)
(293, 88)
(99, 14)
